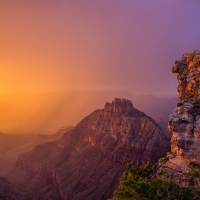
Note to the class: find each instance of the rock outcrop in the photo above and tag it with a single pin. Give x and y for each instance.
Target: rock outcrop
(184, 122)
(88, 160)
(188, 69)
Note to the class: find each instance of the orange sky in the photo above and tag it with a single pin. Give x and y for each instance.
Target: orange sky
(50, 45)
(88, 45)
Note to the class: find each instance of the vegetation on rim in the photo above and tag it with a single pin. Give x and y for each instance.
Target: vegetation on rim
(143, 183)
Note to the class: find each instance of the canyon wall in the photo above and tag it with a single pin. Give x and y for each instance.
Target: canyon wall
(87, 162)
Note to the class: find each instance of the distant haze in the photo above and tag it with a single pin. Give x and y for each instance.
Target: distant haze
(49, 48)
(45, 113)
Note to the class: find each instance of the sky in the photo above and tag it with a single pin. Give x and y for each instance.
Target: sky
(48, 47)
(83, 45)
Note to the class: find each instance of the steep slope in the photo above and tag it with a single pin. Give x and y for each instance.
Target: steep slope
(88, 160)
(159, 108)
(184, 122)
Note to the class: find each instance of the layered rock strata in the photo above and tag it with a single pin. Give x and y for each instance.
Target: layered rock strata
(88, 160)
(184, 122)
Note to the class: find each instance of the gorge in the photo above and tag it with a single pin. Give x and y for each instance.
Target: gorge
(88, 160)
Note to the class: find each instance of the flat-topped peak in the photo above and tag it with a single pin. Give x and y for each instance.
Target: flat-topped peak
(120, 103)
(118, 106)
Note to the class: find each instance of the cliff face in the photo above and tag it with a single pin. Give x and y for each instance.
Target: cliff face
(88, 160)
(188, 69)
(184, 122)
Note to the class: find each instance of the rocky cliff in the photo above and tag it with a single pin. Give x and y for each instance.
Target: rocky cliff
(88, 160)
(184, 122)
(188, 69)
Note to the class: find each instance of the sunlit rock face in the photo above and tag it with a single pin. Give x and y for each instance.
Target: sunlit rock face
(184, 122)
(188, 69)
(181, 123)
(87, 162)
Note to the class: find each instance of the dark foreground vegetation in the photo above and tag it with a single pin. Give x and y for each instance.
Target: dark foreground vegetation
(142, 183)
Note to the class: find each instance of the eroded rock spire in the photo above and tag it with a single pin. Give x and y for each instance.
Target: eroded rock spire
(184, 122)
(188, 69)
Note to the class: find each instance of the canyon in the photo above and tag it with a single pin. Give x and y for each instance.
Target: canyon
(12, 145)
(88, 160)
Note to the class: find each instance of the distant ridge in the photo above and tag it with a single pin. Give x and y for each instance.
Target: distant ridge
(49, 111)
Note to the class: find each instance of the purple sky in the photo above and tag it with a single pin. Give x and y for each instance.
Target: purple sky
(58, 45)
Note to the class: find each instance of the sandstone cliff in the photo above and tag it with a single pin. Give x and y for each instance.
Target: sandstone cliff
(88, 160)
(184, 122)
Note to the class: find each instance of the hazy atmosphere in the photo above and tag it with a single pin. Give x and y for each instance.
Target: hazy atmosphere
(99, 99)
(58, 45)
(75, 45)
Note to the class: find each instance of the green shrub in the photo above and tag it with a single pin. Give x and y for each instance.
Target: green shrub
(141, 184)
(194, 170)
